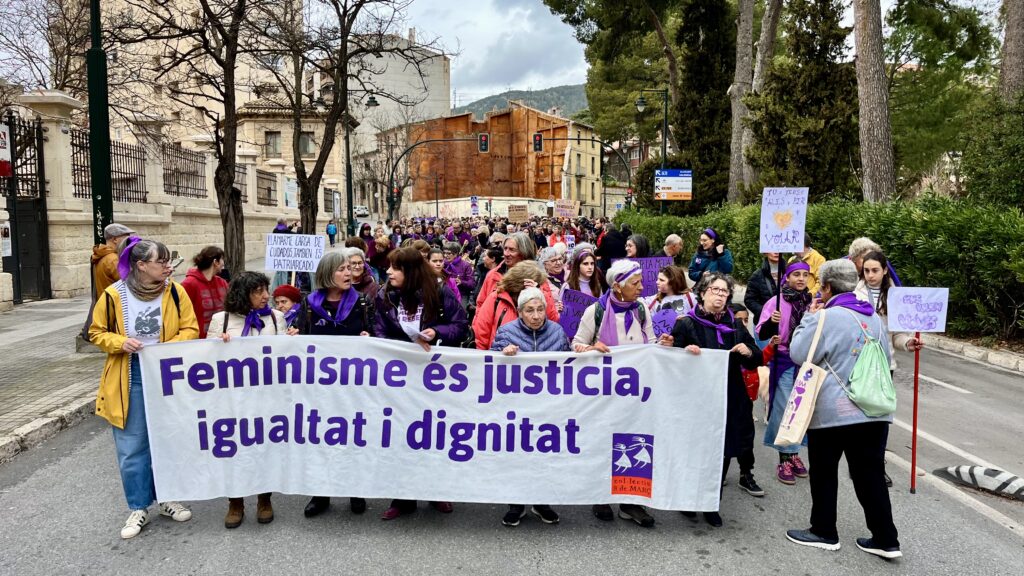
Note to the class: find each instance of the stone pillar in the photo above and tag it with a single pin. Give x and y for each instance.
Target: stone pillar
(55, 108)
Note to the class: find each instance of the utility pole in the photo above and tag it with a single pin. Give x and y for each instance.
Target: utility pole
(99, 128)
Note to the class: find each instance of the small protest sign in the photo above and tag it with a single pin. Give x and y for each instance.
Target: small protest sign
(917, 309)
(783, 219)
(570, 241)
(663, 321)
(649, 270)
(567, 208)
(574, 303)
(518, 213)
(294, 252)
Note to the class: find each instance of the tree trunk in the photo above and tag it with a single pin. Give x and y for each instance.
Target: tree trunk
(672, 64)
(229, 200)
(876, 153)
(740, 87)
(1011, 79)
(765, 52)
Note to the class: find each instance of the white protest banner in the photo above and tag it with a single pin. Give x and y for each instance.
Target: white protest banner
(349, 416)
(294, 252)
(783, 219)
(917, 309)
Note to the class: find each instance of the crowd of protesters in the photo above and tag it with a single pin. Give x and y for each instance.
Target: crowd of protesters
(491, 284)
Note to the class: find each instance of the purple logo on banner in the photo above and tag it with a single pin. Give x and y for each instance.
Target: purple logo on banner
(664, 321)
(574, 303)
(632, 464)
(649, 268)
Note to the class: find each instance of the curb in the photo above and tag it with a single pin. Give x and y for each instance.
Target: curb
(1002, 359)
(46, 427)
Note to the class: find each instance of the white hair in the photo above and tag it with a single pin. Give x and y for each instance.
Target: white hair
(618, 269)
(528, 294)
(862, 246)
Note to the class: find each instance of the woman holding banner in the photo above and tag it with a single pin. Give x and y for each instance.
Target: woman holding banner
(413, 307)
(335, 308)
(247, 313)
(618, 319)
(531, 332)
(144, 307)
(712, 325)
(779, 319)
(711, 256)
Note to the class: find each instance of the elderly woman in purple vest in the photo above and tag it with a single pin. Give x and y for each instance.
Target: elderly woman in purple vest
(532, 332)
(779, 318)
(618, 319)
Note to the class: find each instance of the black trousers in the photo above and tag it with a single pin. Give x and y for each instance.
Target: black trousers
(745, 459)
(864, 447)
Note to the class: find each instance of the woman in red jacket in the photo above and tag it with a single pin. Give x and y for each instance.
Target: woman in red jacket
(205, 288)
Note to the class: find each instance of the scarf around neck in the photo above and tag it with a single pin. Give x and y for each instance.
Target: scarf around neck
(345, 305)
(613, 307)
(254, 320)
(849, 301)
(799, 301)
(704, 319)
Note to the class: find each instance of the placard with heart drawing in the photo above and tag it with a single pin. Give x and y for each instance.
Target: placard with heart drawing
(783, 219)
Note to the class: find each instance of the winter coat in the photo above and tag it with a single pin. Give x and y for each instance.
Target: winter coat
(897, 340)
(589, 329)
(272, 326)
(548, 338)
(497, 310)
(612, 247)
(367, 285)
(207, 297)
(463, 270)
(710, 261)
(491, 283)
(451, 324)
(104, 267)
(761, 288)
(360, 319)
(108, 332)
(739, 423)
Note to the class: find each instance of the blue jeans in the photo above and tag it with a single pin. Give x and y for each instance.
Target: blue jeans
(132, 443)
(778, 409)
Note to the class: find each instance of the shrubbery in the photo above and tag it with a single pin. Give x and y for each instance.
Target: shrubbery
(976, 249)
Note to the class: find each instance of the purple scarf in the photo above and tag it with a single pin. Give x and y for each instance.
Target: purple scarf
(719, 328)
(290, 315)
(849, 301)
(609, 331)
(124, 263)
(254, 320)
(345, 305)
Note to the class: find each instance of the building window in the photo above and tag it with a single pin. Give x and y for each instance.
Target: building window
(578, 133)
(579, 165)
(593, 196)
(592, 162)
(306, 145)
(271, 144)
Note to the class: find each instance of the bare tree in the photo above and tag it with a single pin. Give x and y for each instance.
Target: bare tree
(1011, 79)
(395, 132)
(873, 95)
(348, 46)
(740, 86)
(42, 44)
(765, 51)
(189, 54)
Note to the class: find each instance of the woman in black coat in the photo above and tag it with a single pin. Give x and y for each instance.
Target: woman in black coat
(711, 325)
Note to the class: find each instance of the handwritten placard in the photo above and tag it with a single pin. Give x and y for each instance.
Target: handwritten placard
(649, 268)
(574, 303)
(570, 241)
(783, 219)
(917, 309)
(294, 252)
(567, 208)
(663, 321)
(518, 213)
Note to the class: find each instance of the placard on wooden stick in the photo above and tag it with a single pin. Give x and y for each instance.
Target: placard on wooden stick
(783, 219)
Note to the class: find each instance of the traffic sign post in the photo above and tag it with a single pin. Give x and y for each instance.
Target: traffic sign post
(673, 185)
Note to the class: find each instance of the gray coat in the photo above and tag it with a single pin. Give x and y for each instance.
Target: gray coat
(839, 347)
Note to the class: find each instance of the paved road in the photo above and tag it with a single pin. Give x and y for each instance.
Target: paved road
(61, 506)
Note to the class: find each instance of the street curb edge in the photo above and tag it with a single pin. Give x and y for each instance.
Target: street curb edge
(1000, 358)
(46, 427)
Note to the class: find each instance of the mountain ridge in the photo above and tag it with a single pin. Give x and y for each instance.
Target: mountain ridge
(568, 98)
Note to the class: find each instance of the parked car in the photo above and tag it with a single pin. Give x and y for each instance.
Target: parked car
(361, 211)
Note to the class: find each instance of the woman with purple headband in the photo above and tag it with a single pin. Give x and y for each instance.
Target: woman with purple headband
(777, 324)
(711, 325)
(712, 256)
(617, 319)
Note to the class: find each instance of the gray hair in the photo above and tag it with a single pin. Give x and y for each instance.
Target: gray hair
(331, 261)
(453, 247)
(352, 252)
(708, 279)
(862, 246)
(840, 275)
(617, 269)
(530, 294)
(549, 253)
(497, 238)
(673, 239)
(524, 244)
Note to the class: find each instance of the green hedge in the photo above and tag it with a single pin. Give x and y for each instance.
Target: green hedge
(975, 249)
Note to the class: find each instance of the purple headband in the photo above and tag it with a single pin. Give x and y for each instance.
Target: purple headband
(801, 265)
(579, 256)
(628, 273)
(711, 233)
(124, 265)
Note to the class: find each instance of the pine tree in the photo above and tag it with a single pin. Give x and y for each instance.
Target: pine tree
(804, 121)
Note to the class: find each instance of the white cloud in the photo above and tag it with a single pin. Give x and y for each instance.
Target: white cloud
(502, 44)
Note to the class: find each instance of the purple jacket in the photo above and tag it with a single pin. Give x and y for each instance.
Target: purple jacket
(461, 239)
(459, 268)
(451, 325)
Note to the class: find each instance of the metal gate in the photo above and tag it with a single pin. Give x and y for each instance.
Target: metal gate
(25, 194)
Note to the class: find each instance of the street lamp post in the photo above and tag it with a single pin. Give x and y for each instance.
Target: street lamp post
(641, 104)
(99, 128)
(370, 103)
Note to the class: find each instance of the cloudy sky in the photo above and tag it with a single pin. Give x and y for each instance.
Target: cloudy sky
(501, 44)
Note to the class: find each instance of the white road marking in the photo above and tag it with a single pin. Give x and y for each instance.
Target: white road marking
(946, 445)
(944, 385)
(963, 497)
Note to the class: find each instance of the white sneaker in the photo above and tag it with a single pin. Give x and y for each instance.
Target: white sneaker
(176, 511)
(133, 525)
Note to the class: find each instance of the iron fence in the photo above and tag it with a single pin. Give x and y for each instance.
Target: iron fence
(25, 144)
(266, 188)
(241, 181)
(127, 169)
(80, 175)
(184, 172)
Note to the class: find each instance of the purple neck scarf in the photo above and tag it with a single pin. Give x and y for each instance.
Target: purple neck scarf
(345, 305)
(609, 333)
(254, 320)
(719, 328)
(290, 315)
(849, 301)
(124, 264)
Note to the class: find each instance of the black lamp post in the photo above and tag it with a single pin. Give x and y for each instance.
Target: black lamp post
(99, 128)
(641, 105)
(370, 103)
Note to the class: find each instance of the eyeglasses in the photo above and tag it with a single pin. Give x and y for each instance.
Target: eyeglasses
(718, 291)
(162, 263)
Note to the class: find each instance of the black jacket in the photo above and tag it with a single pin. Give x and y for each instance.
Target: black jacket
(360, 319)
(613, 246)
(761, 288)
